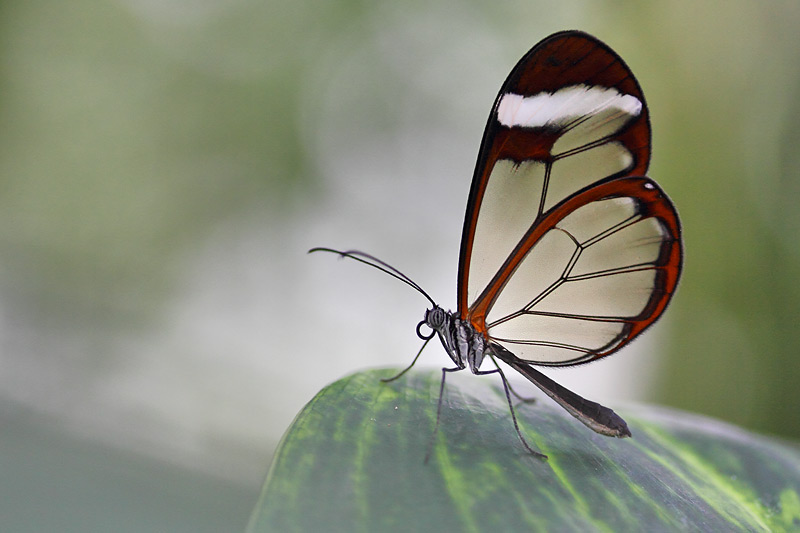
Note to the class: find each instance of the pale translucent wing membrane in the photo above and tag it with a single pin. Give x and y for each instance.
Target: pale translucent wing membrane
(582, 223)
(621, 293)
(570, 115)
(638, 243)
(571, 173)
(559, 339)
(585, 283)
(544, 265)
(509, 205)
(568, 252)
(518, 193)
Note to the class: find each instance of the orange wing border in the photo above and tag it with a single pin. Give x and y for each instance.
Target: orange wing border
(563, 59)
(651, 202)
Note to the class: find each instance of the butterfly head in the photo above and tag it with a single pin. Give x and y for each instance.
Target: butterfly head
(436, 319)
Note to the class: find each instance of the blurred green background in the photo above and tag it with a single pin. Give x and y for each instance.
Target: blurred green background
(165, 165)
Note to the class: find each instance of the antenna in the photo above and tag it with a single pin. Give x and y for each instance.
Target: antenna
(374, 262)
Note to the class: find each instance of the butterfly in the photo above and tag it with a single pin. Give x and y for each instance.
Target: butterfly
(568, 251)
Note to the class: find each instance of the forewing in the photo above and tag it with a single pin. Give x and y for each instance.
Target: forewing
(569, 116)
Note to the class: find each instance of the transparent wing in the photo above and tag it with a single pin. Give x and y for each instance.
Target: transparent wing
(569, 116)
(596, 272)
(568, 252)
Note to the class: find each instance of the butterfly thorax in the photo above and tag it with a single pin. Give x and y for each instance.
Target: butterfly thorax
(464, 345)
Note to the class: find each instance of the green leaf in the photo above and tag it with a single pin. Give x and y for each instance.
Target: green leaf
(353, 460)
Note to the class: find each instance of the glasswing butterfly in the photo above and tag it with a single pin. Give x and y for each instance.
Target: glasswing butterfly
(568, 251)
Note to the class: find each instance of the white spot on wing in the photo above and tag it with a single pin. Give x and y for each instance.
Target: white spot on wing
(559, 108)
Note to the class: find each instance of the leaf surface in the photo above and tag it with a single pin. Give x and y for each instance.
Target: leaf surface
(353, 460)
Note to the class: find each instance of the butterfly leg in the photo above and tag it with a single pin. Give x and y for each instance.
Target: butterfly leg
(506, 388)
(439, 411)
(526, 399)
(406, 369)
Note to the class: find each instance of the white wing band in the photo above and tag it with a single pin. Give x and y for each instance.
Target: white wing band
(563, 106)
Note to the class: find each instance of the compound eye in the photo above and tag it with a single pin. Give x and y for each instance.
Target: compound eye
(436, 317)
